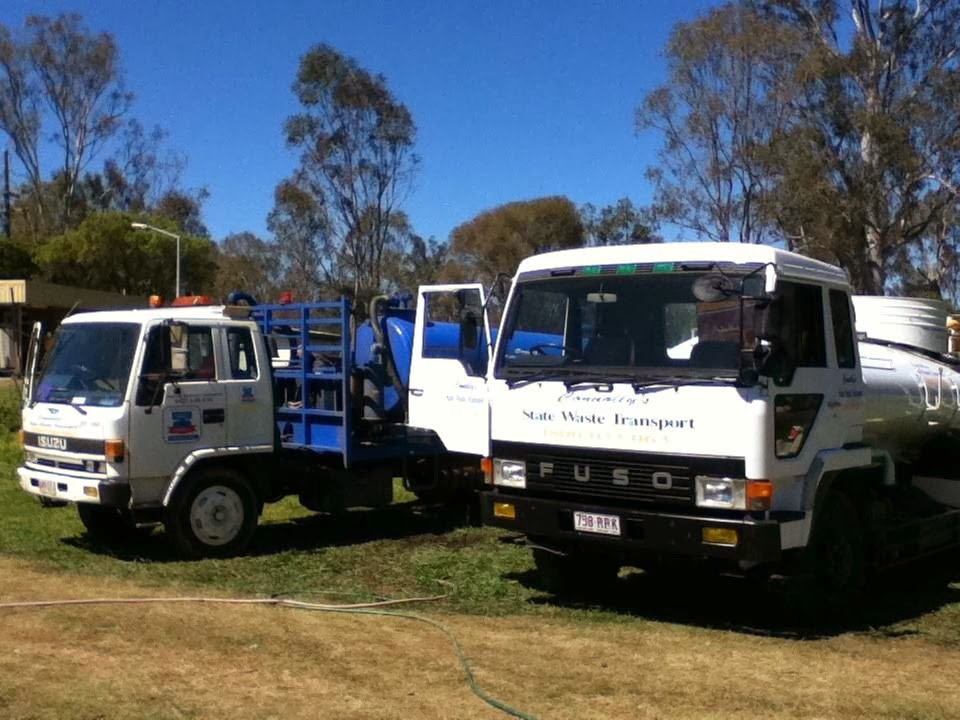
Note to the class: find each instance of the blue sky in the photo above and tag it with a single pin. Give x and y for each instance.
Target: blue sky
(512, 100)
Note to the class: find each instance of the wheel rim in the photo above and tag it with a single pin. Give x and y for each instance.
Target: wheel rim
(217, 515)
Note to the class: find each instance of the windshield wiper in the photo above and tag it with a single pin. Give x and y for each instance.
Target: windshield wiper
(535, 375)
(598, 385)
(52, 399)
(676, 381)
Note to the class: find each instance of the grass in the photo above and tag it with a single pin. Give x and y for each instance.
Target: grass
(401, 550)
(647, 650)
(404, 550)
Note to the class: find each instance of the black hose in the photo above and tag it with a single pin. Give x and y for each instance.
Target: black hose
(384, 341)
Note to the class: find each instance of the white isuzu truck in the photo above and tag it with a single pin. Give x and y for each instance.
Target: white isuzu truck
(712, 404)
(195, 416)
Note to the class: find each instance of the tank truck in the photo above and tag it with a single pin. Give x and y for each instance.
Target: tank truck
(713, 406)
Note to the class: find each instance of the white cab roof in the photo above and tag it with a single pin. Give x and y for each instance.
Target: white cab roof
(212, 313)
(788, 264)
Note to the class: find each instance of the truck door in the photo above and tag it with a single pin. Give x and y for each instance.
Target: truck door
(246, 387)
(451, 351)
(171, 419)
(822, 399)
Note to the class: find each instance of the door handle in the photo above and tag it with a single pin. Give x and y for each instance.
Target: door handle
(416, 392)
(212, 416)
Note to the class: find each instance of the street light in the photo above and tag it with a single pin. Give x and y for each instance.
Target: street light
(144, 226)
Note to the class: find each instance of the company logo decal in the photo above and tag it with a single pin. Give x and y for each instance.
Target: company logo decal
(582, 418)
(618, 475)
(51, 443)
(181, 425)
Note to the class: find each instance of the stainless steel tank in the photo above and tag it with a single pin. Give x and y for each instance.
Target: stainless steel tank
(918, 322)
(909, 397)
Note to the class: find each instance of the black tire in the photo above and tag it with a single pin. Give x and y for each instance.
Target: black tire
(109, 524)
(213, 514)
(575, 573)
(835, 561)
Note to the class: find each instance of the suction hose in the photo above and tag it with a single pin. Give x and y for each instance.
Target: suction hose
(384, 342)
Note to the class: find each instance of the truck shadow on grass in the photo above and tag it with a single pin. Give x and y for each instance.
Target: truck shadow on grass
(752, 607)
(312, 532)
(396, 522)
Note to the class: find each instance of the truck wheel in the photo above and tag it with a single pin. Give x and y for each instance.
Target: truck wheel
(108, 524)
(836, 554)
(213, 515)
(580, 573)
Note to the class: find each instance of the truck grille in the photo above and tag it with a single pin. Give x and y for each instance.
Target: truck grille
(615, 478)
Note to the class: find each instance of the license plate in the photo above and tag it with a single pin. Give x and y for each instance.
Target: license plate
(596, 523)
(47, 487)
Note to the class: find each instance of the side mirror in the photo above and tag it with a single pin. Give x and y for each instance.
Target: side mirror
(754, 287)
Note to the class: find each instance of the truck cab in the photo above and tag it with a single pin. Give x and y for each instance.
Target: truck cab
(685, 403)
(128, 404)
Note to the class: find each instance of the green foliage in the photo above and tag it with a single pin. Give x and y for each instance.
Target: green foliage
(496, 240)
(830, 131)
(422, 263)
(61, 84)
(723, 100)
(619, 224)
(15, 262)
(306, 249)
(61, 75)
(106, 253)
(874, 133)
(9, 409)
(248, 263)
(356, 164)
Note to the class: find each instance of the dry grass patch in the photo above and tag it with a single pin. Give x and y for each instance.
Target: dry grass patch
(175, 661)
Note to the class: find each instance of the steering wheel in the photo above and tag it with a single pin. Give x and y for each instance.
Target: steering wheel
(539, 348)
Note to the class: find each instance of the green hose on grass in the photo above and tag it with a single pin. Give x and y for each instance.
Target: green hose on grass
(371, 608)
(461, 656)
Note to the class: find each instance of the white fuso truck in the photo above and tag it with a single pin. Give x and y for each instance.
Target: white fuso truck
(665, 404)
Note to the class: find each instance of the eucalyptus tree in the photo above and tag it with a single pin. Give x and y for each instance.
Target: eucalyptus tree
(356, 162)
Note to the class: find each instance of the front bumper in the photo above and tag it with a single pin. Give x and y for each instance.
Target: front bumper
(73, 489)
(643, 533)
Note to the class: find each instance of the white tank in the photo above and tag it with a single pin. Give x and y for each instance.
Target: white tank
(912, 321)
(908, 398)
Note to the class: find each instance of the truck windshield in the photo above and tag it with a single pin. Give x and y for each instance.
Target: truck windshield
(89, 364)
(633, 327)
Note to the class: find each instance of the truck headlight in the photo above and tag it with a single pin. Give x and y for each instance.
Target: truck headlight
(733, 493)
(721, 492)
(510, 473)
